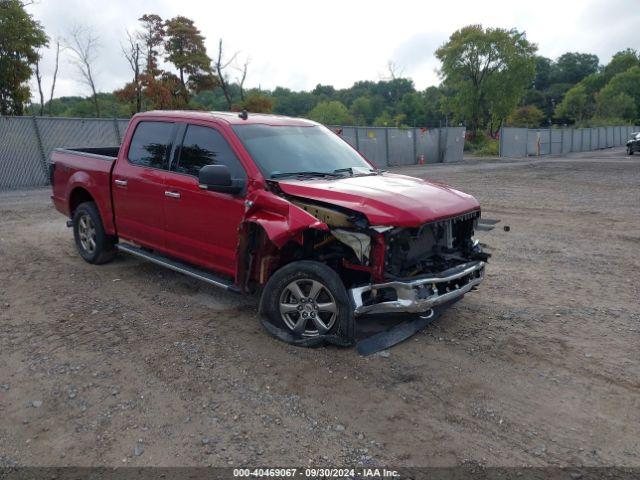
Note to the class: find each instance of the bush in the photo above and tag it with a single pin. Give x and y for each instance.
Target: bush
(482, 145)
(491, 149)
(526, 116)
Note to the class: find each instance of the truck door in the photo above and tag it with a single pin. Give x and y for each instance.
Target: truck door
(138, 184)
(201, 225)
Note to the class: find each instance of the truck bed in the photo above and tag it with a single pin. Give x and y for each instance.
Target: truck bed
(110, 152)
(76, 170)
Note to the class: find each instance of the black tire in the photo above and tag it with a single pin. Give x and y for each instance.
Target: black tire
(328, 313)
(93, 244)
(630, 150)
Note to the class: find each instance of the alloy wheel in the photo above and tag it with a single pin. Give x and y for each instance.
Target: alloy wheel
(308, 308)
(87, 233)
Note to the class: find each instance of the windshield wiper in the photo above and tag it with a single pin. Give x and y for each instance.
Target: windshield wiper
(305, 174)
(358, 172)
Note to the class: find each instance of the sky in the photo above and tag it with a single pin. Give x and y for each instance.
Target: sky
(298, 44)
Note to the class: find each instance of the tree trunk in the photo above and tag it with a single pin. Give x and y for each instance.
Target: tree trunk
(55, 75)
(39, 80)
(137, 80)
(96, 104)
(223, 82)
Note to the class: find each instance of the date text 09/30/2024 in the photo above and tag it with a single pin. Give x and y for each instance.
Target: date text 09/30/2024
(315, 472)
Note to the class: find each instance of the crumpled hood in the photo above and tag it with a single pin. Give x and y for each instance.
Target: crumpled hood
(386, 199)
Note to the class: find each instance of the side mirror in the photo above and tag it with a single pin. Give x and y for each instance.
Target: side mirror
(217, 178)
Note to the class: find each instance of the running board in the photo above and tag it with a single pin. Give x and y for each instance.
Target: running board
(178, 266)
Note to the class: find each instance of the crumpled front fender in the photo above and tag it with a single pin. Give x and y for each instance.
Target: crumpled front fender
(281, 220)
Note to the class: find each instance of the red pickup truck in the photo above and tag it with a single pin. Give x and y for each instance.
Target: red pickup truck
(251, 202)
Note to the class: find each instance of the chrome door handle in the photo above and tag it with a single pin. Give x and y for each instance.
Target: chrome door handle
(120, 183)
(171, 194)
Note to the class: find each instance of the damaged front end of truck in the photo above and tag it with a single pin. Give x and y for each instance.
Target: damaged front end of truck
(386, 269)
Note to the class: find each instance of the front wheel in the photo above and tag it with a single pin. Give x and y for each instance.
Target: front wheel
(305, 303)
(629, 150)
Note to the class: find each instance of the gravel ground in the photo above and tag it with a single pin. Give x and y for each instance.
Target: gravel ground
(130, 364)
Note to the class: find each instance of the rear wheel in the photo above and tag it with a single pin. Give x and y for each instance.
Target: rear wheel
(93, 244)
(305, 303)
(629, 150)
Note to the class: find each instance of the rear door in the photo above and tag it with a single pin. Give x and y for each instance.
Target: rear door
(201, 225)
(138, 184)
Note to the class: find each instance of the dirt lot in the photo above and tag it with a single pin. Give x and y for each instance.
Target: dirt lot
(128, 363)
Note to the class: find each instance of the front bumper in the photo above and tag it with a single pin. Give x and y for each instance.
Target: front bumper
(420, 294)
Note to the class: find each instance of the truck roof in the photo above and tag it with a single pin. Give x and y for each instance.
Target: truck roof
(232, 118)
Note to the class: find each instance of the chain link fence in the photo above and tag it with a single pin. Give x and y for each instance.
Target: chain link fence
(524, 142)
(27, 142)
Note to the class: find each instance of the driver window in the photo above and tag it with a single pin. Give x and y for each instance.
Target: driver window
(206, 146)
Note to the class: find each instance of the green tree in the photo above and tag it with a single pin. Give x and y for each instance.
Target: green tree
(487, 72)
(413, 107)
(576, 105)
(621, 62)
(625, 85)
(331, 113)
(571, 67)
(618, 106)
(326, 92)
(542, 78)
(594, 83)
(393, 90)
(292, 103)
(364, 110)
(20, 38)
(527, 116)
(358, 89)
(184, 46)
(538, 99)
(432, 98)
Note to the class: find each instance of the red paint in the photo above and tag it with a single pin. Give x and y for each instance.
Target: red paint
(139, 204)
(387, 199)
(93, 175)
(202, 227)
(281, 220)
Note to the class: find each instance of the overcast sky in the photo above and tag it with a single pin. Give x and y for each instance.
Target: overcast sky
(298, 44)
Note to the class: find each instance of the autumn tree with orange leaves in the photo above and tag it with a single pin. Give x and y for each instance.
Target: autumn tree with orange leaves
(180, 43)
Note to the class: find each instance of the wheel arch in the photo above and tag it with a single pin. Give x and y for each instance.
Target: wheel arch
(77, 196)
(83, 188)
(259, 257)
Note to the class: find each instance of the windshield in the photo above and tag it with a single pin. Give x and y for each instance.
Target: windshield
(280, 150)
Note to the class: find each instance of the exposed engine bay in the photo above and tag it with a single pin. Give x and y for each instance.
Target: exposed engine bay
(433, 247)
(408, 252)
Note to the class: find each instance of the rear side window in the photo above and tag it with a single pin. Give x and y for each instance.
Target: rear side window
(151, 144)
(206, 146)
